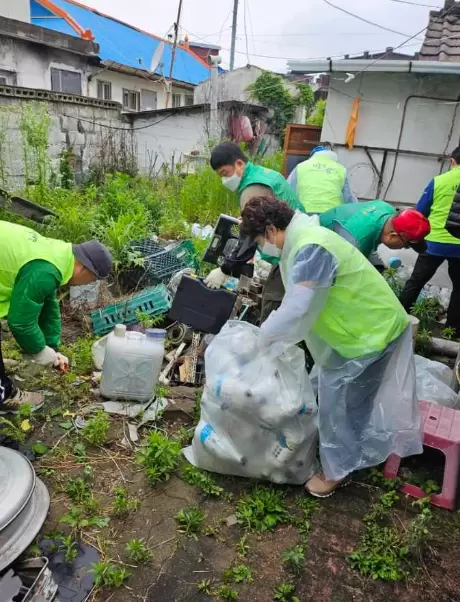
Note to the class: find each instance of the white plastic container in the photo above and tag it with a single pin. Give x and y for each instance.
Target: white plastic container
(132, 364)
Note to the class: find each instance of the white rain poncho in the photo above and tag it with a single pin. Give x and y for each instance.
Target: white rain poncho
(361, 341)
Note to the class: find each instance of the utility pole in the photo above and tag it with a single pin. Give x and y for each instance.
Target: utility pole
(173, 53)
(234, 26)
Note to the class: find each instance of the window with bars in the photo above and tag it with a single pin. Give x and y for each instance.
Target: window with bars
(189, 100)
(176, 101)
(131, 100)
(104, 90)
(65, 81)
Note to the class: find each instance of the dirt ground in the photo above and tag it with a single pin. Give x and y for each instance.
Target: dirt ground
(179, 562)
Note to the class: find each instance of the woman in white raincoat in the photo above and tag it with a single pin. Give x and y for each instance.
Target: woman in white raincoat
(358, 334)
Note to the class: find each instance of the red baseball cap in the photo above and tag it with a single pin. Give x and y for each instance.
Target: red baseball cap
(412, 224)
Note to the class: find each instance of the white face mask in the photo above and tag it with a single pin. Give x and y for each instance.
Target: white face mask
(270, 249)
(231, 182)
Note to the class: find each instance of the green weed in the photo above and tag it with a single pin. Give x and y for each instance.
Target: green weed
(294, 559)
(107, 574)
(242, 547)
(238, 574)
(160, 457)
(77, 519)
(80, 355)
(203, 480)
(285, 593)
(190, 521)
(78, 490)
(262, 509)
(69, 547)
(205, 586)
(96, 429)
(227, 593)
(123, 504)
(426, 310)
(138, 551)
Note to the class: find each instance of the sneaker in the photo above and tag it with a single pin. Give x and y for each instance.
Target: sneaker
(319, 486)
(11, 405)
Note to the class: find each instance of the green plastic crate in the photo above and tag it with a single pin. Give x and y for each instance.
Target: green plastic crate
(151, 301)
(162, 262)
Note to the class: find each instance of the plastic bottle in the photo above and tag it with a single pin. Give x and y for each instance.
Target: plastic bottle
(212, 443)
(132, 364)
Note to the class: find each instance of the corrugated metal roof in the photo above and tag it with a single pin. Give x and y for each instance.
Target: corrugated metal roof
(122, 43)
(442, 38)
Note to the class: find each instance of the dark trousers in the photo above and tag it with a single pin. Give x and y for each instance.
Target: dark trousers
(7, 386)
(273, 293)
(424, 270)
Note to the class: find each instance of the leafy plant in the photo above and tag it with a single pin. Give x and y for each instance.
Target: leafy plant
(77, 518)
(285, 593)
(448, 333)
(242, 547)
(138, 551)
(80, 355)
(190, 521)
(391, 276)
(79, 451)
(227, 593)
(423, 342)
(123, 504)
(262, 509)
(160, 457)
(238, 574)
(96, 429)
(69, 547)
(294, 559)
(204, 587)
(78, 490)
(426, 310)
(107, 574)
(198, 478)
(318, 115)
(39, 448)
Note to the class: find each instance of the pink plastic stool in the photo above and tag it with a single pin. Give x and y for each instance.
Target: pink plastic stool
(441, 428)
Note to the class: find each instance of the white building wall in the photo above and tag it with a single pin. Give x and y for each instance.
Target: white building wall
(427, 124)
(15, 9)
(121, 81)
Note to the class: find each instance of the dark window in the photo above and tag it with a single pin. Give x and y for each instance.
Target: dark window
(188, 100)
(176, 101)
(65, 81)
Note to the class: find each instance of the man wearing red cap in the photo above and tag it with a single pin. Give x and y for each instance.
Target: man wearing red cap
(436, 204)
(366, 225)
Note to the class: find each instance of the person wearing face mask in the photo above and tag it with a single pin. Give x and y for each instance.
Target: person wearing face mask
(248, 180)
(357, 332)
(32, 269)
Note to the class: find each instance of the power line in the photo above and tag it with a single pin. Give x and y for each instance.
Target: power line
(245, 14)
(343, 10)
(442, 15)
(416, 4)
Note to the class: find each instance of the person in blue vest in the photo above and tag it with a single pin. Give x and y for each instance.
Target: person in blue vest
(321, 182)
(436, 204)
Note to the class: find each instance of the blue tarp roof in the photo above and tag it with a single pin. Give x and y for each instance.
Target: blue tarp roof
(120, 42)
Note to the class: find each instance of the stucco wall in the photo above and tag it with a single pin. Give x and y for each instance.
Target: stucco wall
(426, 129)
(120, 81)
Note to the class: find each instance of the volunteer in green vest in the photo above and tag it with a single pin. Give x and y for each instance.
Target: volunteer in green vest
(367, 225)
(32, 269)
(436, 203)
(321, 182)
(358, 334)
(248, 181)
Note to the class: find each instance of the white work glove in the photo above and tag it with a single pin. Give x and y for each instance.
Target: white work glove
(46, 357)
(215, 279)
(62, 360)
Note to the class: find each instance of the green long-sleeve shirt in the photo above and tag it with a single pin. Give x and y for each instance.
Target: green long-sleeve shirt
(34, 316)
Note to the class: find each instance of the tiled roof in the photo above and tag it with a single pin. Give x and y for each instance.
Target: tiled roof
(442, 38)
(118, 41)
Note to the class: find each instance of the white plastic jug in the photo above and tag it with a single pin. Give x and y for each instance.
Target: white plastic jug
(132, 363)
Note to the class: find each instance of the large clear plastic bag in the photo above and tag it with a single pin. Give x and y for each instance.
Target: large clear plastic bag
(258, 411)
(433, 383)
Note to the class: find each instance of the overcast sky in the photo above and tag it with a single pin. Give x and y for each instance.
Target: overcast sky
(276, 30)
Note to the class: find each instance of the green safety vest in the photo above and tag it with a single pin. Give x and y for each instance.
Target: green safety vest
(445, 187)
(361, 315)
(256, 174)
(20, 245)
(320, 182)
(359, 223)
